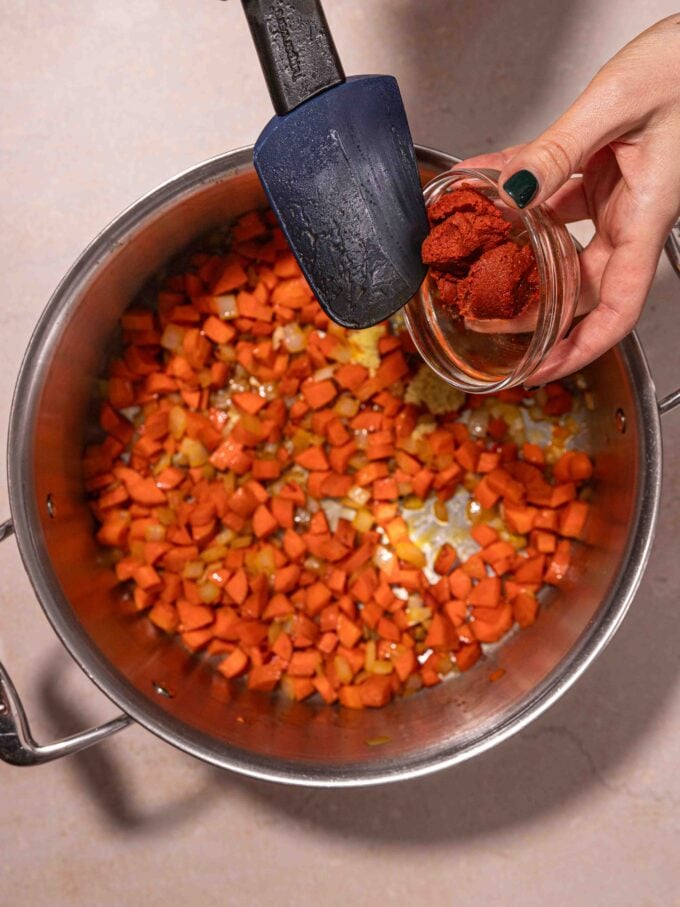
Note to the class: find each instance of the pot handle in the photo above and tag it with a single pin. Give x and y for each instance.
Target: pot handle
(17, 745)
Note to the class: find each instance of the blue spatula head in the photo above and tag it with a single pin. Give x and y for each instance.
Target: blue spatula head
(340, 173)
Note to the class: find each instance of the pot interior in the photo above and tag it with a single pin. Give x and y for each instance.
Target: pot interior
(179, 696)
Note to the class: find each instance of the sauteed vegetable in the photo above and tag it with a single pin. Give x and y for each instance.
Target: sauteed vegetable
(261, 467)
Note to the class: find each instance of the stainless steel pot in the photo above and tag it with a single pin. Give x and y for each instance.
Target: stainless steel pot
(182, 700)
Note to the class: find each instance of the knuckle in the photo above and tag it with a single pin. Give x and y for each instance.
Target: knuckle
(585, 348)
(618, 321)
(559, 155)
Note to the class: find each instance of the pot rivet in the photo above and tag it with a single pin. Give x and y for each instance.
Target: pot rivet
(162, 690)
(621, 422)
(51, 507)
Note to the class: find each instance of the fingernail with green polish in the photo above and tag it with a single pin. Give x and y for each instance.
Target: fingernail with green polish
(521, 187)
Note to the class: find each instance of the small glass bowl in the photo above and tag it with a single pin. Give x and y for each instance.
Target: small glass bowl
(483, 357)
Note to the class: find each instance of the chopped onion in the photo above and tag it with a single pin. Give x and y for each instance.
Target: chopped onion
(332, 509)
(226, 306)
(323, 374)
(221, 399)
(155, 532)
(194, 451)
(177, 422)
(479, 422)
(359, 495)
(362, 520)
(130, 412)
(410, 553)
(416, 615)
(193, 569)
(214, 554)
(224, 537)
(226, 353)
(347, 406)
(172, 337)
(275, 630)
(166, 515)
(342, 669)
(208, 592)
(382, 556)
(293, 338)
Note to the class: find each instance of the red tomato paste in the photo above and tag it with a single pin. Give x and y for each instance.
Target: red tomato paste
(479, 271)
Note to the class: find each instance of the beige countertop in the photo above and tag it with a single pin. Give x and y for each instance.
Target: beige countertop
(102, 101)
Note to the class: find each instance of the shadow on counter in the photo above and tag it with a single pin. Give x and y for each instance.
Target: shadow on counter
(101, 773)
(473, 75)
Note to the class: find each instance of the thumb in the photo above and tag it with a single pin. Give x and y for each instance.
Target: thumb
(600, 115)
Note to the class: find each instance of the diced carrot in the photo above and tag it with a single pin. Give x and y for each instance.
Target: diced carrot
(446, 558)
(375, 691)
(387, 629)
(385, 490)
(559, 564)
(235, 664)
(249, 226)
(164, 615)
(325, 689)
(488, 461)
(519, 519)
(348, 632)
(486, 496)
(460, 584)
(263, 522)
(231, 276)
(237, 587)
(468, 655)
(525, 608)
(145, 491)
(573, 519)
(490, 624)
(467, 456)
(531, 569)
(318, 393)
(293, 545)
(147, 578)
(441, 633)
(304, 663)
(350, 696)
(192, 617)
(532, 453)
(137, 319)
(487, 592)
(474, 567)
(562, 494)
(283, 512)
(483, 534)
(351, 376)
(313, 458)
(249, 402)
(264, 677)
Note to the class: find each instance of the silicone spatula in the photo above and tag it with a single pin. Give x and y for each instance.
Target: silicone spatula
(338, 166)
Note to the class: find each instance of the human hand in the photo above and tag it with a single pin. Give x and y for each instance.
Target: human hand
(622, 135)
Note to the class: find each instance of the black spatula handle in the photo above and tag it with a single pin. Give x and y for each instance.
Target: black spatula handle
(295, 47)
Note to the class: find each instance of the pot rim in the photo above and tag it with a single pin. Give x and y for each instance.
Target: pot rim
(24, 509)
